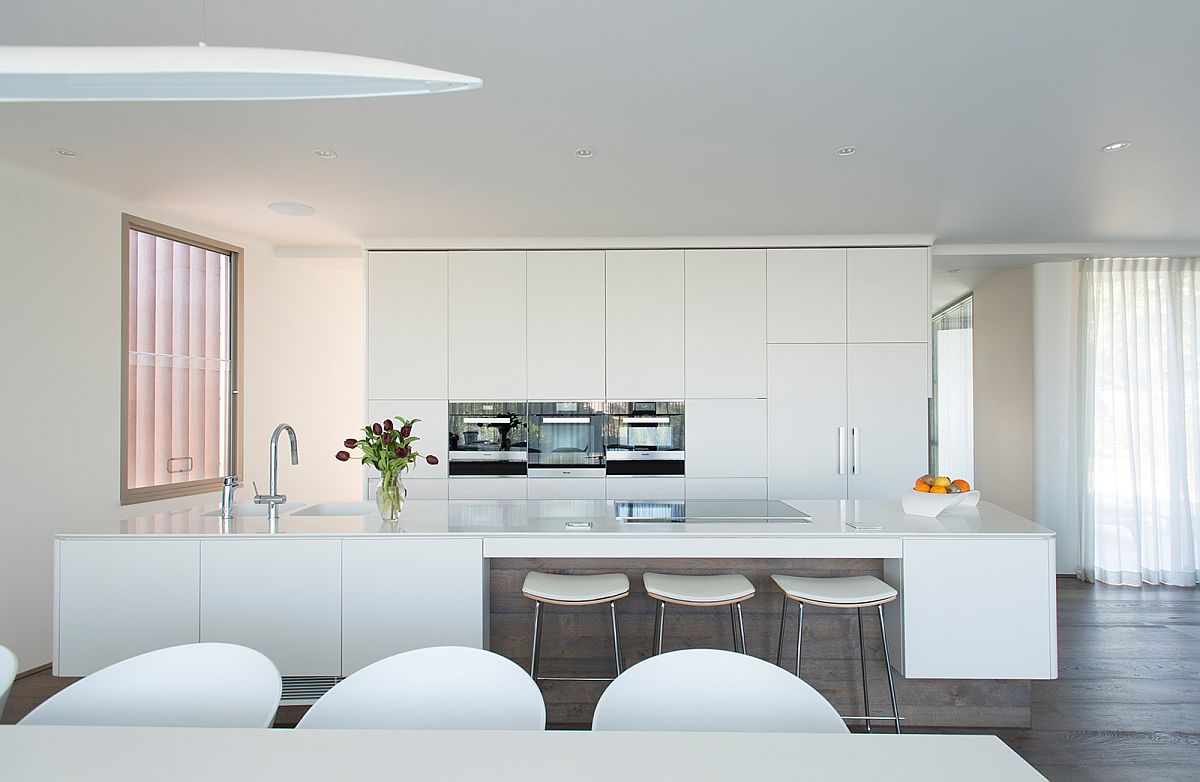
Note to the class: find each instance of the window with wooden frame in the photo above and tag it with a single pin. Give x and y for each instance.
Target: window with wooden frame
(179, 350)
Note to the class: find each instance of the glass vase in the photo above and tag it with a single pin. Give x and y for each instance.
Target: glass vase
(389, 498)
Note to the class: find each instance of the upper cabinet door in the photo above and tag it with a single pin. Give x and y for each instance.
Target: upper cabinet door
(806, 295)
(566, 325)
(487, 325)
(644, 324)
(726, 323)
(888, 414)
(887, 294)
(406, 325)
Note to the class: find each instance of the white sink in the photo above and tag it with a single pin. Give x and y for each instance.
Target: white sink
(251, 509)
(339, 509)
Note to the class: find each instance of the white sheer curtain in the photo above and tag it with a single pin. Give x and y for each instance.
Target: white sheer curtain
(1140, 427)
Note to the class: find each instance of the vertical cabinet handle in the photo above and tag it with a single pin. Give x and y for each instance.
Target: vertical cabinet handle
(841, 450)
(854, 450)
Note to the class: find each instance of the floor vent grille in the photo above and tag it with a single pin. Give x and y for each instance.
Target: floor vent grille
(306, 689)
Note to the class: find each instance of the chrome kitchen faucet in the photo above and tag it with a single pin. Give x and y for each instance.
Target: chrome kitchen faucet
(273, 499)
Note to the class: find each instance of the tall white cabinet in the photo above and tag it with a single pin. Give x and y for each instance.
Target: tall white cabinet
(566, 325)
(487, 325)
(407, 304)
(726, 316)
(643, 324)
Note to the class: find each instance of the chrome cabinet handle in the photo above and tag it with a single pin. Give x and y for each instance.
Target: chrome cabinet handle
(841, 450)
(854, 450)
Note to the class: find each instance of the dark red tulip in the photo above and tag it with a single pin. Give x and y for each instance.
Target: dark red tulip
(350, 442)
(402, 452)
(377, 428)
(388, 425)
(399, 451)
(405, 431)
(431, 459)
(342, 456)
(386, 438)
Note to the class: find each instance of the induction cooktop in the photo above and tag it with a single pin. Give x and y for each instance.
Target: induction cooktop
(707, 510)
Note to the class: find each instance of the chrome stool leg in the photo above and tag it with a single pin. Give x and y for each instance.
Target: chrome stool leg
(616, 636)
(782, 618)
(799, 637)
(734, 627)
(862, 656)
(887, 660)
(741, 627)
(537, 639)
(660, 618)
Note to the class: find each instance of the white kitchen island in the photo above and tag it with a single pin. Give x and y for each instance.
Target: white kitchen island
(335, 588)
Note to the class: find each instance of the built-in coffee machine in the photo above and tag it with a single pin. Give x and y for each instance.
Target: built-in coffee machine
(488, 438)
(644, 438)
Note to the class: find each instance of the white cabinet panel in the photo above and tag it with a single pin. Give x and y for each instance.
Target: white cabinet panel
(281, 597)
(644, 324)
(806, 418)
(406, 325)
(488, 488)
(998, 620)
(887, 294)
(566, 324)
(487, 325)
(399, 595)
(120, 598)
(726, 438)
(629, 487)
(566, 488)
(806, 295)
(418, 488)
(726, 316)
(888, 415)
(432, 429)
(726, 488)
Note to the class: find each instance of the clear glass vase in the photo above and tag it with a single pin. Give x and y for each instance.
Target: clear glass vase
(389, 498)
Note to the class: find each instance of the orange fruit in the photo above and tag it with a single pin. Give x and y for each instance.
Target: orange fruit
(921, 487)
(937, 490)
(960, 483)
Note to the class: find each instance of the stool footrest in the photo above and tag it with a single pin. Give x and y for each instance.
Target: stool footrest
(578, 679)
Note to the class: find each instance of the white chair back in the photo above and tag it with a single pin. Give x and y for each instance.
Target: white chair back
(198, 685)
(8, 672)
(715, 691)
(440, 688)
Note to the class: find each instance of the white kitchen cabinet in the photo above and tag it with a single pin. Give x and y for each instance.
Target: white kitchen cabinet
(511, 488)
(644, 324)
(567, 488)
(888, 416)
(806, 295)
(806, 422)
(487, 325)
(432, 429)
(996, 622)
(726, 316)
(726, 488)
(281, 597)
(417, 488)
(566, 324)
(887, 294)
(406, 325)
(120, 598)
(726, 438)
(410, 593)
(644, 487)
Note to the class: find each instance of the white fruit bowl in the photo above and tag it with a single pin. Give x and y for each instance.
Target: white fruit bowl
(920, 503)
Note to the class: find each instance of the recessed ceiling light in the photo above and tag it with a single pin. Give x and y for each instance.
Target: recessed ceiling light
(64, 152)
(847, 151)
(291, 208)
(585, 152)
(953, 271)
(325, 154)
(1116, 145)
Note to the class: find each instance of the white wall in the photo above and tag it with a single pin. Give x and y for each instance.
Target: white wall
(1004, 390)
(60, 324)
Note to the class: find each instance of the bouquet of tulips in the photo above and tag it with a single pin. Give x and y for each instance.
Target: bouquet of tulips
(386, 446)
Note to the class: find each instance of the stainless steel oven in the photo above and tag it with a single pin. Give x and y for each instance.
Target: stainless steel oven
(488, 439)
(644, 438)
(566, 440)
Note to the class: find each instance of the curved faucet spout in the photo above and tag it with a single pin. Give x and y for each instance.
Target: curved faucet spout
(273, 499)
(291, 439)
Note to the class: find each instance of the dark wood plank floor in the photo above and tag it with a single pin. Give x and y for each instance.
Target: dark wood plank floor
(1126, 705)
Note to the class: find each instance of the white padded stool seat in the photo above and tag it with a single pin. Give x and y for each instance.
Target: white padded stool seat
(698, 590)
(849, 591)
(581, 589)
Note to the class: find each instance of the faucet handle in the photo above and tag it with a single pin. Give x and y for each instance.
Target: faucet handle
(233, 481)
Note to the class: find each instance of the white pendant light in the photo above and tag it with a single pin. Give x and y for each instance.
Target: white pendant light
(208, 73)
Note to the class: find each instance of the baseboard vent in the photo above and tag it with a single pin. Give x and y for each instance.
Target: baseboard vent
(306, 689)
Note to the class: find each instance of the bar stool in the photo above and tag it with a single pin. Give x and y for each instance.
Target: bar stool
(730, 589)
(856, 592)
(573, 590)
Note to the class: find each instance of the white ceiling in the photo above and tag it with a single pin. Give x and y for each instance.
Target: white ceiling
(976, 121)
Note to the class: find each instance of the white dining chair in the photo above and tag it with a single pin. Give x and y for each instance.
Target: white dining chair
(197, 686)
(712, 690)
(8, 672)
(439, 688)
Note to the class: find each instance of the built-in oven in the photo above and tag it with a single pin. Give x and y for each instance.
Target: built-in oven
(488, 439)
(644, 438)
(566, 440)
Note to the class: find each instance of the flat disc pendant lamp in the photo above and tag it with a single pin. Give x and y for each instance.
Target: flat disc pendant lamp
(35, 74)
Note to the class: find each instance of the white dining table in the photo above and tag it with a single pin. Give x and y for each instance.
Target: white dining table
(101, 754)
